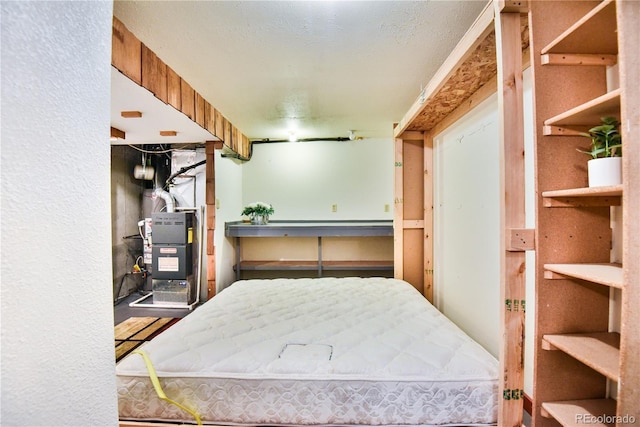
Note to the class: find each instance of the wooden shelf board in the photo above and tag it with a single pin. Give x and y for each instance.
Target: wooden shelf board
(357, 265)
(574, 413)
(589, 113)
(595, 33)
(587, 196)
(279, 265)
(614, 190)
(598, 350)
(604, 274)
(313, 265)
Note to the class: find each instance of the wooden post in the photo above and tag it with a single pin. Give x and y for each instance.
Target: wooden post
(409, 204)
(428, 216)
(512, 262)
(628, 16)
(210, 201)
(398, 212)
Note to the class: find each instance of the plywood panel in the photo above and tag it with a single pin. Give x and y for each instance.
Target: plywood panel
(279, 248)
(220, 121)
(413, 179)
(375, 248)
(174, 92)
(188, 100)
(199, 110)
(410, 210)
(126, 52)
(414, 258)
(462, 85)
(210, 118)
(154, 74)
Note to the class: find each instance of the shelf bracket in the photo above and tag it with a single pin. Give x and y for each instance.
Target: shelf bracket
(577, 202)
(563, 131)
(546, 345)
(579, 59)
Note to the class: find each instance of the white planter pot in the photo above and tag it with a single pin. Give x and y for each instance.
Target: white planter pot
(605, 171)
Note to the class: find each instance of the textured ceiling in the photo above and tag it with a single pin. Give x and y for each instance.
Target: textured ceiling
(316, 68)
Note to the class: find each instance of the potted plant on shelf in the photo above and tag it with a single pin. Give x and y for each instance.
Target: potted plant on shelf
(258, 212)
(605, 166)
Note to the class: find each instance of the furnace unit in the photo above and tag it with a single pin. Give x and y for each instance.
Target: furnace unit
(173, 258)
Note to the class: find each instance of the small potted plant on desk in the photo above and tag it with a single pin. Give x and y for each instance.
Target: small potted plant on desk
(605, 166)
(258, 212)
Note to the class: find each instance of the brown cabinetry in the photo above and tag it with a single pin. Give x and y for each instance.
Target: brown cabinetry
(585, 59)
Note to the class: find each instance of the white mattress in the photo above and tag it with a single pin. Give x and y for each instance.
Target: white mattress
(330, 351)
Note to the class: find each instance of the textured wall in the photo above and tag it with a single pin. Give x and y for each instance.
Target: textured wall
(126, 211)
(303, 180)
(229, 193)
(57, 315)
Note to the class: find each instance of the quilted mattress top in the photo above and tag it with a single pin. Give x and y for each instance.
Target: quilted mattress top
(317, 329)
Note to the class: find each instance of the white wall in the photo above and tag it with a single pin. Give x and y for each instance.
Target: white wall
(467, 221)
(57, 315)
(530, 222)
(467, 224)
(302, 180)
(229, 196)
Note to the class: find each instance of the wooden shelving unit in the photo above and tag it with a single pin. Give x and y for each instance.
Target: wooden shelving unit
(310, 229)
(577, 346)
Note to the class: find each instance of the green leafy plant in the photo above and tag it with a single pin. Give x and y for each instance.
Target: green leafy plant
(258, 208)
(605, 139)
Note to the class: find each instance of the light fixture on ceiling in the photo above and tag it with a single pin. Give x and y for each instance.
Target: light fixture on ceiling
(352, 135)
(293, 137)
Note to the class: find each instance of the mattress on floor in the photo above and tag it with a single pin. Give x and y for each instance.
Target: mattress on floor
(330, 351)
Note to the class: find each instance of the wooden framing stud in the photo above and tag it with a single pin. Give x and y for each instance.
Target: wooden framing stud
(513, 6)
(520, 239)
(117, 133)
(131, 114)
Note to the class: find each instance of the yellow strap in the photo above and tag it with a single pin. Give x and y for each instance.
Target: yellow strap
(156, 385)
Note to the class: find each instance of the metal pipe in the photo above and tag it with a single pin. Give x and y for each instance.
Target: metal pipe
(167, 197)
